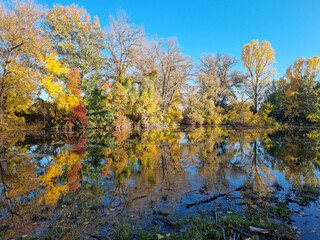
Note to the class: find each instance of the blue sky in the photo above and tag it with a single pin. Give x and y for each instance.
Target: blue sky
(222, 26)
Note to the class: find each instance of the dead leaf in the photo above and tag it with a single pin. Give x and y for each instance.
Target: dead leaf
(160, 236)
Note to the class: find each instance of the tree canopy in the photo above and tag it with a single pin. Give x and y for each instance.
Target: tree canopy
(62, 68)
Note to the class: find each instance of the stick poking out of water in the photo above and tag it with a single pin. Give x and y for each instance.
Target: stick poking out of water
(118, 205)
(212, 198)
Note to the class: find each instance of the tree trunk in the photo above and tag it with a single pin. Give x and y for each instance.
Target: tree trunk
(1, 111)
(255, 109)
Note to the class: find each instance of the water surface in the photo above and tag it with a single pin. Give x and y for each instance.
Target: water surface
(88, 182)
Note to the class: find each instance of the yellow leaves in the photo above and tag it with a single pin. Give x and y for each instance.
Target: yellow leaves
(299, 94)
(313, 64)
(20, 88)
(252, 51)
(52, 65)
(51, 80)
(68, 102)
(259, 60)
(264, 112)
(22, 40)
(174, 115)
(241, 113)
(160, 236)
(62, 17)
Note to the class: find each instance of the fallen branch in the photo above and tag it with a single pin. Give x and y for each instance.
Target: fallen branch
(258, 230)
(191, 191)
(240, 231)
(118, 205)
(99, 237)
(224, 234)
(212, 198)
(293, 200)
(15, 213)
(166, 221)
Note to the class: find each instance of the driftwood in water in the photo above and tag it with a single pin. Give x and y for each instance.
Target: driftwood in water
(118, 205)
(98, 237)
(212, 198)
(165, 221)
(240, 231)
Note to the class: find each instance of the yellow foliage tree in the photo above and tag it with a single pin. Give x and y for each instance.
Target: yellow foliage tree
(52, 81)
(258, 59)
(174, 113)
(22, 41)
(264, 113)
(300, 92)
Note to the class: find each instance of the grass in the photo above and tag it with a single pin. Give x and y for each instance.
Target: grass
(199, 228)
(306, 194)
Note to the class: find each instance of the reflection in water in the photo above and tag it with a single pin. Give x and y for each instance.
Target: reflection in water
(69, 182)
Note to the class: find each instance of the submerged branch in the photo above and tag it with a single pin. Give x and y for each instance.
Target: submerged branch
(212, 198)
(165, 221)
(118, 205)
(240, 231)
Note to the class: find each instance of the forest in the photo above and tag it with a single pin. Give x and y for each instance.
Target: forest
(61, 69)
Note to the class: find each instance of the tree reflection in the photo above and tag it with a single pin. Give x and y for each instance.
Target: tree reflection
(296, 155)
(81, 178)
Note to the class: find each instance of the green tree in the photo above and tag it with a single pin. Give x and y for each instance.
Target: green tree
(79, 41)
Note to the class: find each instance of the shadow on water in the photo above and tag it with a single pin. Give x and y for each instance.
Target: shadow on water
(160, 184)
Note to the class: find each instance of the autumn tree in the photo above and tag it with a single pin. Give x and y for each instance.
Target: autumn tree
(216, 79)
(78, 116)
(258, 59)
(22, 41)
(174, 71)
(193, 112)
(66, 96)
(300, 96)
(79, 41)
(217, 83)
(146, 103)
(122, 42)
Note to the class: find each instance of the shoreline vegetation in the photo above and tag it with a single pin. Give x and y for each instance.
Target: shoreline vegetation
(61, 69)
(36, 128)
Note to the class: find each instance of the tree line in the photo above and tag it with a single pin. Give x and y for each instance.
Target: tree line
(61, 68)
